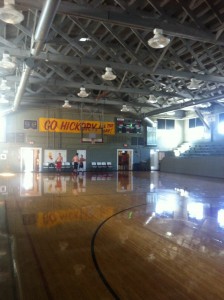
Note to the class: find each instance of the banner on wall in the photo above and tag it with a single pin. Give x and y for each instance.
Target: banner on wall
(74, 126)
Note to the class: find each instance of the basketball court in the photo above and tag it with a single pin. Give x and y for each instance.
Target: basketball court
(111, 235)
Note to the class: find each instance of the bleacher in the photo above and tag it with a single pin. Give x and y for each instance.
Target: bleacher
(203, 149)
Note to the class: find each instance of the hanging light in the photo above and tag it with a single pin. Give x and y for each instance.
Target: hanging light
(159, 40)
(124, 108)
(9, 14)
(6, 62)
(83, 93)
(66, 104)
(3, 100)
(170, 113)
(152, 99)
(84, 39)
(109, 75)
(204, 105)
(194, 84)
(4, 86)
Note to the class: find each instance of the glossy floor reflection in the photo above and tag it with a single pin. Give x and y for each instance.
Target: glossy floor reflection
(121, 235)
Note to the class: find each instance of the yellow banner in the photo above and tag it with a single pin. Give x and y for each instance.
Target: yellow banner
(74, 126)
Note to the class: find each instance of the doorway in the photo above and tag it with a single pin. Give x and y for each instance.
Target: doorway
(124, 159)
(154, 160)
(82, 152)
(31, 159)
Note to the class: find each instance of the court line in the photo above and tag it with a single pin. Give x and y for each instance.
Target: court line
(38, 261)
(99, 271)
(10, 253)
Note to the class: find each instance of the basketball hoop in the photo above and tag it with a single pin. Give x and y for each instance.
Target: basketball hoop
(92, 137)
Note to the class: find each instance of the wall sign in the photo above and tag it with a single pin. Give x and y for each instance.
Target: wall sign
(30, 124)
(75, 126)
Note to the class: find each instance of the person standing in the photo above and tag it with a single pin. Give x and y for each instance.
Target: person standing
(81, 161)
(75, 161)
(58, 162)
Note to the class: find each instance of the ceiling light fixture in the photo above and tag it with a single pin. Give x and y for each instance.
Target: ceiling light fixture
(170, 113)
(124, 108)
(204, 105)
(83, 93)
(9, 14)
(3, 100)
(194, 84)
(6, 62)
(152, 99)
(4, 86)
(109, 75)
(159, 40)
(84, 39)
(66, 104)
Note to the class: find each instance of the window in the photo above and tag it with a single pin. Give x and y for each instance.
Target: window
(165, 124)
(221, 117)
(197, 129)
(199, 122)
(137, 141)
(151, 136)
(169, 124)
(191, 123)
(195, 122)
(221, 124)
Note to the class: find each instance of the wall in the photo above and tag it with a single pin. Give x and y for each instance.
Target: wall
(211, 166)
(67, 141)
(192, 135)
(167, 140)
(212, 134)
(170, 139)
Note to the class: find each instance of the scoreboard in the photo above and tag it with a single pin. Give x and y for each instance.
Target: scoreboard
(128, 125)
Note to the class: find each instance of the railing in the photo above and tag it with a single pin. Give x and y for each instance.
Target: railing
(204, 150)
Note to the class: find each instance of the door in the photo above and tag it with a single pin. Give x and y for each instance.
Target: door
(83, 153)
(31, 159)
(154, 160)
(124, 159)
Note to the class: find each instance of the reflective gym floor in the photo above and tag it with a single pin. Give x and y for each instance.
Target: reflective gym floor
(118, 235)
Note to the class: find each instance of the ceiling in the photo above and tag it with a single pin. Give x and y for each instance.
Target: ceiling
(52, 61)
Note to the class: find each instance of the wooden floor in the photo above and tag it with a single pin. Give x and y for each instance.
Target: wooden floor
(130, 235)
